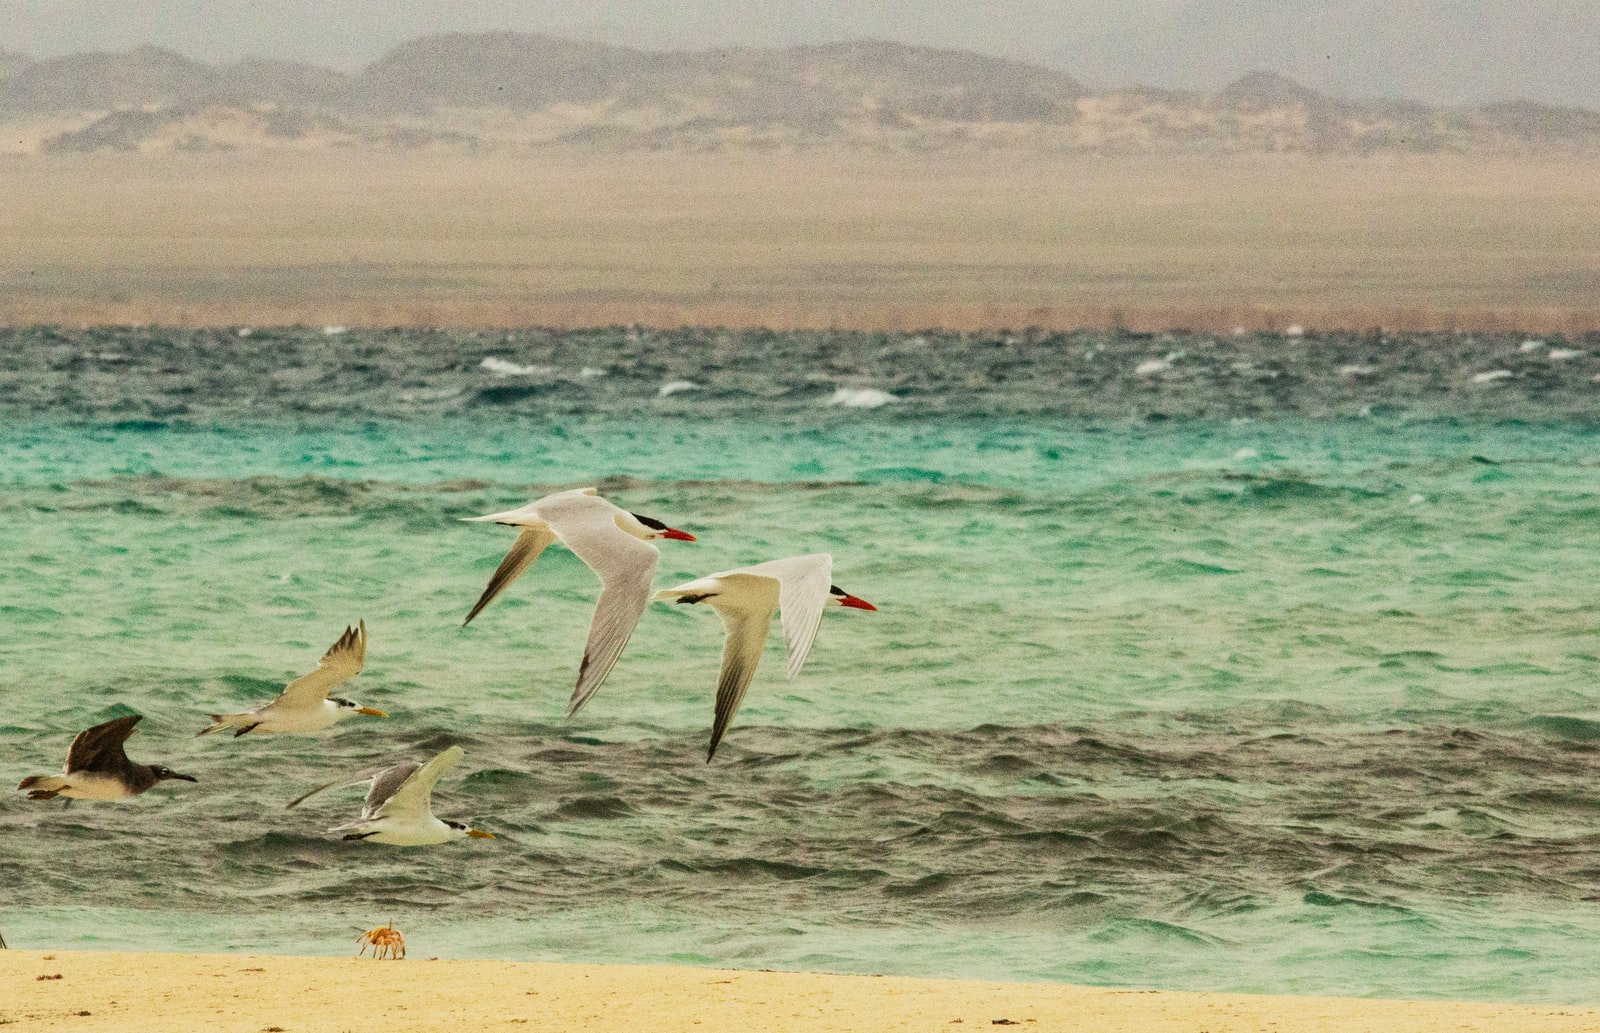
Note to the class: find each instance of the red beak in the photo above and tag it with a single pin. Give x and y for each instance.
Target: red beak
(858, 603)
(677, 535)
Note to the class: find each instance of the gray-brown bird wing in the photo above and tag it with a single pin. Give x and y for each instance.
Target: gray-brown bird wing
(100, 748)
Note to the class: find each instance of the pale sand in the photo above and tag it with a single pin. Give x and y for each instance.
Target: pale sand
(253, 994)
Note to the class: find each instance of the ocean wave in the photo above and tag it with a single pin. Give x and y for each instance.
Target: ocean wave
(219, 377)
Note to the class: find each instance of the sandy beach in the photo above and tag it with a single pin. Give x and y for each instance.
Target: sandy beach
(132, 992)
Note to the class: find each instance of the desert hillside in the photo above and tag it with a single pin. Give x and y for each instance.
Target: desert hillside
(511, 93)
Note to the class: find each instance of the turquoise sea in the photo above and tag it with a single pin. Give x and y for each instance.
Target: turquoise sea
(1248, 663)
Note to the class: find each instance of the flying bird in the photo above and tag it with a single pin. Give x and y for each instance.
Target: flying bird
(398, 810)
(304, 706)
(614, 543)
(746, 598)
(98, 769)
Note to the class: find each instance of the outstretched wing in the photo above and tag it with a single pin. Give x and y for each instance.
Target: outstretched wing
(802, 594)
(343, 660)
(529, 544)
(741, 652)
(626, 566)
(100, 748)
(411, 797)
(358, 778)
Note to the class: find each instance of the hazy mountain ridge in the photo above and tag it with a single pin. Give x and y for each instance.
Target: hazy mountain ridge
(500, 91)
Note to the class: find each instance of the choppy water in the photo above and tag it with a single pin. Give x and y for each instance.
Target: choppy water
(1195, 677)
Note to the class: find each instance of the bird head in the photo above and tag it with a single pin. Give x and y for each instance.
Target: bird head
(649, 527)
(161, 771)
(350, 706)
(839, 597)
(466, 830)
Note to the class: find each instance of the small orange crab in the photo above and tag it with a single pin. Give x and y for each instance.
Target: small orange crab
(385, 941)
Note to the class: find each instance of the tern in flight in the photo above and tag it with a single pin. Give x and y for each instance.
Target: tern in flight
(746, 598)
(398, 810)
(304, 706)
(98, 768)
(614, 543)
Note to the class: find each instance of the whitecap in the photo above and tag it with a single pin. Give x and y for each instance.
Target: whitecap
(1295, 330)
(1416, 500)
(1560, 354)
(1357, 371)
(1530, 346)
(505, 368)
(860, 398)
(1246, 453)
(333, 331)
(1491, 376)
(676, 387)
(245, 331)
(1150, 367)
(590, 372)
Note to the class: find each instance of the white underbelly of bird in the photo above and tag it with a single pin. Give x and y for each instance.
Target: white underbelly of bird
(87, 785)
(428, 831)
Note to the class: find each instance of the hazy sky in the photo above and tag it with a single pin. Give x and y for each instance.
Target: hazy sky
(1433, 50)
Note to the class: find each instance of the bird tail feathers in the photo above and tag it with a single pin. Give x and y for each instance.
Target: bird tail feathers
(44, 787)
(221, 721)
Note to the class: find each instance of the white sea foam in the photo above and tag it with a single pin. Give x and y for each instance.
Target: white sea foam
(1295, 330)
(333, 331)
(1530, 346)
(1357, 371)
(860, 398)
(1416, 500)
(1491, 376)
(1150, 367)
(245, 331)
(1246, 453)
(1561, 354)
(590, 372)
(505, 368)
(676, 387)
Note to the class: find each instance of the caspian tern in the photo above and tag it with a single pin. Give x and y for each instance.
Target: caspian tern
(746, 598)
(304, 706)
(398, 810)
(99, 769)
(615, 545)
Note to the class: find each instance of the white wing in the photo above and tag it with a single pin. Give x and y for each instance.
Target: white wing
(342, 661)
(529, 544)
(625, 565)
(802, 595)
(741, 652)
(412, 796)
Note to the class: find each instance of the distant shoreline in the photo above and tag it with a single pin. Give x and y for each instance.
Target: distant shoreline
(89, 991)
(801, 241)
(976, 318)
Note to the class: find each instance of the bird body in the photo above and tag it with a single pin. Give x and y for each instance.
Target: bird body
(798, 587)
(613, 543)
(304, 706)
(98, 767)
(398, 810)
